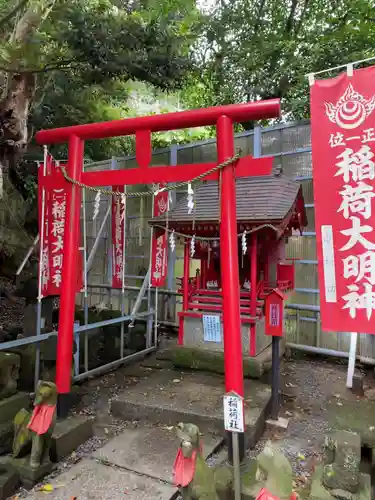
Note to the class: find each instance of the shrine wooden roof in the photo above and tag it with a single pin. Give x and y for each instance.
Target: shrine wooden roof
(259, 199)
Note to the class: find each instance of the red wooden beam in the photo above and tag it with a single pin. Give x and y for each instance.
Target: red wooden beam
(196, 314)
(215, 308)
(245, 167)
(158, 123)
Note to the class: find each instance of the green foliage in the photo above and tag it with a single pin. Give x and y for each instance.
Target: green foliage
(262, 49)
(87, 53)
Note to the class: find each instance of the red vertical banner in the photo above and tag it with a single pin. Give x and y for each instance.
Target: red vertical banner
(159, 243)
(56, 238)
(43, 224)
(343, 145)
(53, 232)
(118, 228)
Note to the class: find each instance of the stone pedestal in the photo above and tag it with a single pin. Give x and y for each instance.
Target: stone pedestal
(30, 477)
(68, 435)
(9, 481)
(343, 458)
(340, 476)
(270, 470)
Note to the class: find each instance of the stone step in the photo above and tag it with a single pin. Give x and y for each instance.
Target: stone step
(69, 434)
(93, 480)
(170, 397)
(149, 450)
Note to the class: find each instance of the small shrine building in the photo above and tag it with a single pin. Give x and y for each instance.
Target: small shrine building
(269, 208)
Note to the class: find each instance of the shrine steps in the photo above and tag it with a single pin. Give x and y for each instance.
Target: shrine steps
(170, 396)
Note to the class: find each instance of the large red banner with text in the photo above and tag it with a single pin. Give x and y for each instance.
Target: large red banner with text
(53, 233)
(159, 242)
(343, 151)
(118, 229)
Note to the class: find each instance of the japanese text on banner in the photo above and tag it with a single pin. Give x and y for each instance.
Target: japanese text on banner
(344, 181)
(54, 218)
(159, 242)
(118, 229)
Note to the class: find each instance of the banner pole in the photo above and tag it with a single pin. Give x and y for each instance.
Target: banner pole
(352, 357)
(40, 271)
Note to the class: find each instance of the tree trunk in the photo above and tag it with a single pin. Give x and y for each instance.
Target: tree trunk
(19, 90)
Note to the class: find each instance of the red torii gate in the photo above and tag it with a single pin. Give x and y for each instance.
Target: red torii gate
(223, 117)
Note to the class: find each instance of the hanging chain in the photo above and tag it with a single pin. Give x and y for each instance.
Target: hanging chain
(137, 194)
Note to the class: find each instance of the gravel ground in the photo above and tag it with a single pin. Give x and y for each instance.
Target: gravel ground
(307, 385)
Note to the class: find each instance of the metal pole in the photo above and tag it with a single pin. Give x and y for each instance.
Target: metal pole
(275, 386)
(236, 466)
(156, 317)
(149, 323)
(97, 239)
(40, 270)
(70, 269)
(27, 256)
(352, 356)
(253, 293)
(185, 285)
(85, 296)
(123, 278)
(171, 284)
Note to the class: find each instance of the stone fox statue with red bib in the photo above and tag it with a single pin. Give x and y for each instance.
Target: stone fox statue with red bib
(195, 479)
(33, 431)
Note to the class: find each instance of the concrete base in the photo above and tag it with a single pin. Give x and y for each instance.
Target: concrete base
(280, 423)
(194, 335)
(172, 396)
(149, 451)
(319, 492)
(199, 358)
(9, 481)
(68, 435)
(30, 477)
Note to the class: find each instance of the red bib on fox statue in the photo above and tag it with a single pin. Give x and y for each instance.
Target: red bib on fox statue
(41, 418)
(266, 495)
(184, 468)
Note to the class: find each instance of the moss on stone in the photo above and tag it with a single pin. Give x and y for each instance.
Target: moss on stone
(345, 417)
(213, 361)
(319, 492)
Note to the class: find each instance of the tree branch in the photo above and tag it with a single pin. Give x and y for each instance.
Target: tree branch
(260, 16)
(290, 21)
(53, 66)
(299, 24)
(13, 12)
